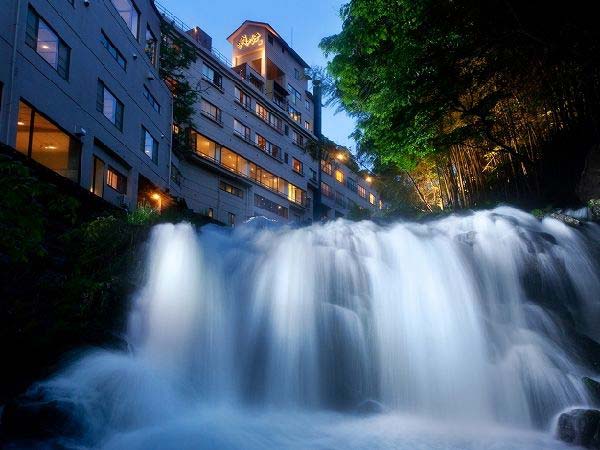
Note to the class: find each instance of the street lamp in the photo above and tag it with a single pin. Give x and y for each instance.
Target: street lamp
(158, 199)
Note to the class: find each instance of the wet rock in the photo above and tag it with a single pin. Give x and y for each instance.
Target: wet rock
(467, 238)
(567, 220)
(580, 427)
(593, 388)
(32, 416)
(594, 207)
(368, 407)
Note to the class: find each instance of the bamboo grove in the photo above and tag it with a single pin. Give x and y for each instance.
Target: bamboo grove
(470, 102)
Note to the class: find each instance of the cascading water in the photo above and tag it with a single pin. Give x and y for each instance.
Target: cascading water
(466, 330)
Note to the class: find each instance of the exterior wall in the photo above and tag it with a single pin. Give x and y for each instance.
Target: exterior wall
(71, 103)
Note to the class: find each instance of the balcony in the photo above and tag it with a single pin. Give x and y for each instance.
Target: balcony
(248, 73)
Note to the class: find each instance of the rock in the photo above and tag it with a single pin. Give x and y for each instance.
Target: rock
(32, 416)
(368, 407)
(580, 427)
(594, 207)
(593, 388)
(467, 238)
(567, 220)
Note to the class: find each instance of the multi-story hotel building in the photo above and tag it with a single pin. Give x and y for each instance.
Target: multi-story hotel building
(80, 93)
(247, 153)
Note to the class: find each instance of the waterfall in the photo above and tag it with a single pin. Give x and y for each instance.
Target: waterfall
(474, 319)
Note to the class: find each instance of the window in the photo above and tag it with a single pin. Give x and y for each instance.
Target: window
(339, 176)
(294, 114)
(41, 38)
(307, 104)
(150, 48)
(275, 122)
(241, 130)
(340, 199)
(267, 147)
(296, 73)
(210, 213)
(261, 112)
(297, 166)
(362, 191)
(243, 98)
(296, 195)
(43, 141)
(326, 190)
(98, 177)
(313, 174)
(204, 146)
(116, 180)
(297, 138)
(210, 110)
(176, 175)
(268, 205)
(231, 219)
(129, 13)
(149, 145)
(371, 198)
(231, 189)
(114, 52)
(327, 167)
(351, 184)
(295, 97)
(307, 125)
(109, 105)
(151, 100)
(270, 39)
(211, 75)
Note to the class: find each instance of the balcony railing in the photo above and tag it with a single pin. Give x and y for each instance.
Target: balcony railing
(248, 73)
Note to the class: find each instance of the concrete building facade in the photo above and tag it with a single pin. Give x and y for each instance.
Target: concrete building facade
(80, 93)
(253, 124)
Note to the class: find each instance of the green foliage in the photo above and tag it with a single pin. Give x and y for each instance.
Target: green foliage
(358, 213)
(176, 56)
(143, 215)
(498, 78)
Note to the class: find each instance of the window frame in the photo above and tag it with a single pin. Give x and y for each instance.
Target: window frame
(118, 55)
(155, 145)
(136, 35)
(119, 105)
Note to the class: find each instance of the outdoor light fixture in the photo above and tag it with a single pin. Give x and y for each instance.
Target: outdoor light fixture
(341, 156)
(368, 179)
(155, 196)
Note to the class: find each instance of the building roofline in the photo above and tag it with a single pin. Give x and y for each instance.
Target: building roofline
(274, 33)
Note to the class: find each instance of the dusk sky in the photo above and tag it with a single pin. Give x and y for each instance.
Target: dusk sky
(307, 20)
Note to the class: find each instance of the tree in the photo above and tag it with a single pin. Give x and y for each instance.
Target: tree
(478, 89)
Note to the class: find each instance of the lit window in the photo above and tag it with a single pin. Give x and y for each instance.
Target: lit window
(41, 38)
(339, 176)
(204, 146)
(326, 190)
(261, 111)
(267, 147)
(241, 130)
(114, 52)
(327, 167)
(116, 180)
(307, 104)
(46, 143)
(362, 191)
(130, 14)
(211, 111)
(371, 199)
(231, 189)
(294, 114)
(307, 125)
(210, 213)
(149, 145)
(297, 166)
(109, 105)
(150, 48)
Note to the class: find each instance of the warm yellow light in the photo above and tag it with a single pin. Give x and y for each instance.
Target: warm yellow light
(369, 179)
(341, 156)
(247, 41)
(20, 123)
(155, 196)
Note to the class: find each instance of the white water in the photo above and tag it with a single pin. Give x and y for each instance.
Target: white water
(269, 337)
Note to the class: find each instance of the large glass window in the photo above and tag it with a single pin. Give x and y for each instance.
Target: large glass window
(339, 176)
(204, 146)
(43, 39)
(109, 105)
(149, 145)
(46, 143)
(151, 47)
(371, 199)
(362, 191)
(268, 205)
(210, 74)
(261, 112)
(231, 189)
(229, 158)
(242, 97)
(295, 97)
(241, 130)
(294, 114)
(130, 14)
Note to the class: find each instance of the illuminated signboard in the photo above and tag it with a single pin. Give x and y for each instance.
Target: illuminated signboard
(249, 41)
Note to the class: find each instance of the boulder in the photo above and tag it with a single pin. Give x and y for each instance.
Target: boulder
(567, 220)
(594, 207)
(580, 427)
